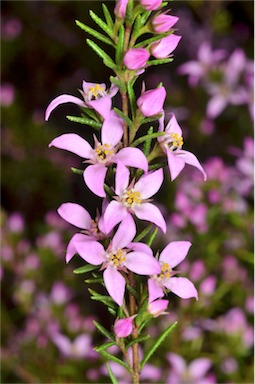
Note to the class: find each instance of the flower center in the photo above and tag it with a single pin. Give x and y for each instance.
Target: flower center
(94, 227)
(173, 141)
(95, 92)
(117, 258)
(104, 153)
(131, 198)
(165, 272)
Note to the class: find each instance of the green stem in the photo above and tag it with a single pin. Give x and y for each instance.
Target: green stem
(133, 309)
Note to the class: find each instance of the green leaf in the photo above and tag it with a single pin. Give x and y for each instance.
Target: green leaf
(151, 118)
(106, 300)
(143, 233)
(124, 117)
(147, 137)
(144, 43)
(104, 331)
(157, 343)
(107, 16)
(105, 346)
(145, 17)
(101, 53)
(116, 359)
(78, 171)
(157, 166)
(108, 190)
(152, 237)
(129, 12)
(120, 84)
(111, 311)
(84, 120)
(160, 61)
(132, 291)
(132, 99)
(85, 269)
(94, 33)
(138, 340)
(93, 281)
(100, 23)
(111, 375)
(147, 144)
(120, 45)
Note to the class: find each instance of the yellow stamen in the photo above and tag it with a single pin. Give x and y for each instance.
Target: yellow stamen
(104, 152)
(165, 271)
(117, 258)
(131, 198)
(173, 141)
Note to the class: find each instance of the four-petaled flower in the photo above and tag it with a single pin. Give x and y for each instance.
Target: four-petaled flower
(171, 144)
(120, 256)
(103, 155)
(173, 254)
(133, 198)
(95, 96)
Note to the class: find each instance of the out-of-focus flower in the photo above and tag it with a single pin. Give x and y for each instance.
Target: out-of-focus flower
(151, 102)
(151, 5)
(7, 94)
(16, 222)
(120, 8)
(171, 144)
(95, 96)
(207, 287)
(163, 22)
(173, 254)
(133, 198)
(164, 47)
(157, 307)
(79, 348)
(60, 293)
(136, 58)
(11, 28)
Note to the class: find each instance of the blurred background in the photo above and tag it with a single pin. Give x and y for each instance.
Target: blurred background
(46, 311)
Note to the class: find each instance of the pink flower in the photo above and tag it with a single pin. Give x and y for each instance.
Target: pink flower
(120, 8)
(118, 257)
(136, 58)
(103, 155)
(79, 348)
(123, 327)
(158, 307)
(95, 96)
(164, 47)
(171, 144)
(133, 198)
(150, 5)
(162, 22)
(151, 102)
(173, 254)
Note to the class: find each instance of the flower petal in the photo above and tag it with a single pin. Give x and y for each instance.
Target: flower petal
(121, 178)
(102, 106)
(125, 233)
(91, 251)
(115, 284)
(75, 214)
(140, 247)
(114, 213)
(177, 362)
(175, 164)
(215, 106)
(71, 248)
(133, 157)
(150, 212)
(155, 291)
(190, 159)
(150, 183)
(142, 264)
(62, 99)
(173, 126)
(199, 367)
(174, 253)
(112, 129)
(94, 176)
(73, 143)
(182, 287)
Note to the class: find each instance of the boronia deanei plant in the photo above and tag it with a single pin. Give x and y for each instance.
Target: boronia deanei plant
(125, 169)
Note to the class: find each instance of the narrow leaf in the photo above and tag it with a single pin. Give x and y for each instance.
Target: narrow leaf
(93, 281)
(124, 117)
(132, 291)
(116, 359)
(159, 61)
(105, 300)
(143, 233)
(145, 17)
(107, 16)
(105, 346)
(84, 120)
(132, 99)
(145, 43)
(157, 166)
(157, 343)
(111, 375)
(119, 83)
(101, 53)
(94, 33)
(85, 269)
(103, 331)
(138, 340)
(120, 45)
(152, 237)
(100, 23)
(111, 311)
(79, 172)
(147, 137)
(150, 119)
(147, 144)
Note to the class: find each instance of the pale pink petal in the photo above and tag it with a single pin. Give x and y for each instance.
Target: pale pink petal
(150, 212)
(113, 90)
(75, 214)
(121, 178)
(174, 253)
(125, 233)
(82, 345)
(91, 251)
(161, 122)
(199, 367)
(62, 99)
(155, 291)
(73, 143)
(71, 248)
(112, 129)
(173, 126)
(142, 264)
(215, 106)
(177, 362)
(191, 159)
(132, 157)
(115, 284)
(102, 106)
(141, 247)
(150, 183)
(182, 287)
(114, 214)
(63, 343)
(175, 164)
(94, 177)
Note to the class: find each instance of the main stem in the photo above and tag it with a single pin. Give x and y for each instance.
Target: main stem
(132, 303)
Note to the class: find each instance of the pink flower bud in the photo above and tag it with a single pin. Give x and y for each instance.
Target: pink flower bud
(120, 8)
(123, 327)
(150, 5)
(157, 307)
(165, 46)
(136, 58)
(151, 102)
(162, 23)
